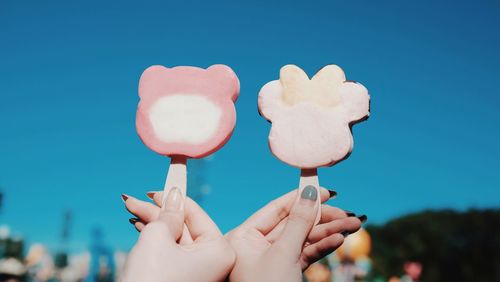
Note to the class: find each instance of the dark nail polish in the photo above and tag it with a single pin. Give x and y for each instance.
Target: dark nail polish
(309, 193)
(363, 218)
(332, 193)
(151, 195)
(350, 213)
(124, 197)
(345, 233)
(133, 220)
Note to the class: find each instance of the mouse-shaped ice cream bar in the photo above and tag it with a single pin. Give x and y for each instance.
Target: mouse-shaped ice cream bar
(312, 118)
(186, 112)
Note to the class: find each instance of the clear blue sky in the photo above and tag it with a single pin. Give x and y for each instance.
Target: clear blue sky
(69, 72)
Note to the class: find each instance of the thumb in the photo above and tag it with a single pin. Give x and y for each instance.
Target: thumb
(172, 212)
(300, 221)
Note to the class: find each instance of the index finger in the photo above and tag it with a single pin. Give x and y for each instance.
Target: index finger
(198, 222)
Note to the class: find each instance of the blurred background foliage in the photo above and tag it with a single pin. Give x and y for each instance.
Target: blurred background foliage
(451, 245)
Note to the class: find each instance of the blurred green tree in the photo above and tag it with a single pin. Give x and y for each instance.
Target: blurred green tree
(451, 245)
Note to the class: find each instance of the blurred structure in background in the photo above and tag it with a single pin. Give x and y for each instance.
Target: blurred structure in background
(351, 262)
(102, 264)
(39, 263)
(1, 200)
(196, 182)
(12, 267)
(11, 256)
(61, 258)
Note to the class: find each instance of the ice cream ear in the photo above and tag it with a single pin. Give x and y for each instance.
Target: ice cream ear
(270, 99)
(357, 101)
(329, 74)
(292, 76)
(294, 82)
(227, 78)
(149, 80)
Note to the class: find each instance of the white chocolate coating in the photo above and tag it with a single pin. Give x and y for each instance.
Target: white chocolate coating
(185, 118)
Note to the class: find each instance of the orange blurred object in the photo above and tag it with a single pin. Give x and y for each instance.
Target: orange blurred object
(394, 279)
(318, 272)
(356, 245)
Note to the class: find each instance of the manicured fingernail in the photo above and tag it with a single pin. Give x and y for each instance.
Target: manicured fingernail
(363, 218)
(332, 193)
(350, 213)
(309, 193)
(133, 220)
(173, 201)
(124, 197)
(345, 233)
(151, 195)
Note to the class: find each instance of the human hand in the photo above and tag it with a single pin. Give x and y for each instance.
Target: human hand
(279, 241)
(159, 254)
(254, 237)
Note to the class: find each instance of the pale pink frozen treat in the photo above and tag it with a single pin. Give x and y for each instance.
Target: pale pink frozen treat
(312, 118)
(187, 111)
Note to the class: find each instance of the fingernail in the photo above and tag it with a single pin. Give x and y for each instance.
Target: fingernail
(350, 213)
(345, 233)
(124, 197)
(363, 218)
(309, 193)
(173, 201)
(133, 220)
(151, 195)
(332, 193)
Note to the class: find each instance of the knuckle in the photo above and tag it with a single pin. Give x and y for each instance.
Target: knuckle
(301, 217)
(331, 245)
(155, 226)
(153, 231)
(312, 255)
(281, 210)
(325, 232)
(333, 227)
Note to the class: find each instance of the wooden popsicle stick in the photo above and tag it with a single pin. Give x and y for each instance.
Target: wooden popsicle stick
(176, 176)
(310, 177)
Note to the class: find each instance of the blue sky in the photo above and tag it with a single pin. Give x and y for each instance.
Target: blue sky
(69, 72)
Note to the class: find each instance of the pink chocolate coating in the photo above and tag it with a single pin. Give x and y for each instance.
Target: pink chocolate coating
(307, 135)
(218, 83)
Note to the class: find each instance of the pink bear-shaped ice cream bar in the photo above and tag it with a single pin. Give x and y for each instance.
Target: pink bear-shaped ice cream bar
(312, 118)
(187, 111)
